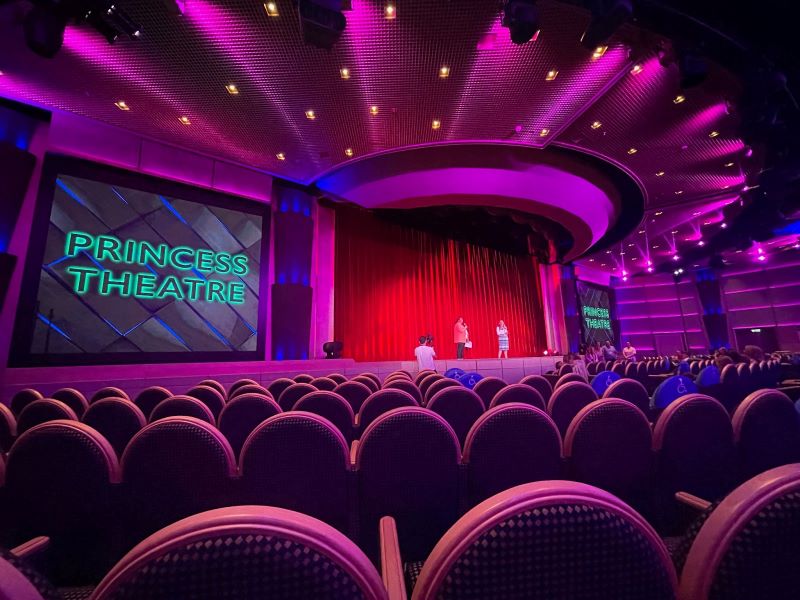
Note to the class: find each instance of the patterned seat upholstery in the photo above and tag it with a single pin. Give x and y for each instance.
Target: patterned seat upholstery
(182, 406)
(59, 478)
(382, 402)
(332, 407)
(567, 378)
(72, 398)
(242, 415)
(487, 388)
(438, 386)
(213, 383)
(540, 384)
(458, 406)
(300, 461)
(242, 382)
(246, 553)
(324, 383)
(42, 411)
(499, 449)
(209, 396)
(766, 431)
(371, 383)
(250, 388)
(8, 428)
(293, 393)
(22, 398)
(748, 546)
(277, 386)
(19, 582)
(551, 539)
(407, 464)
(407, 386)
(354, 392)
(117, 419)
(567, 400)
(151, 397)
(631, 390)
(108, 392)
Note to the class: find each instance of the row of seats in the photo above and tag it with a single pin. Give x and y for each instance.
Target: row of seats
(549, 539)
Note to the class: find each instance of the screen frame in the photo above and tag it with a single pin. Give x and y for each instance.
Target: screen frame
(57, 164)
(612, 305)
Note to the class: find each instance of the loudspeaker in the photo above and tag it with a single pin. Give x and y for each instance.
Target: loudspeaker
(16, 168)
(291, 326)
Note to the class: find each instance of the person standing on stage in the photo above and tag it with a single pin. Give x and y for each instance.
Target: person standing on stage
(502, 339)
(460, 337)
(425, 354)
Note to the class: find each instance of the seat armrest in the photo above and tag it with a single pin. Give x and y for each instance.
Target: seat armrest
(692, 501)
(353, 452)
(391, 561)
(32, 548)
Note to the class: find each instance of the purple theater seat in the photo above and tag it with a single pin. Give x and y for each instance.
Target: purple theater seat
(59, 478)
(19, 582)
(458, 406)
(213, 383)
(303, 378)
(72, 398)
(766, 431)
(354, 392)
(509, 445)
(242, 382)
(374, 378)
(382, 402)
(173, 468)
(277, 386)
(250, 389)
(619, 369)
(151, 397)
(324, 383)
(631, 370)
(550, 539)
(108, 392)
(567, 400)
(369, 382)
(641, 371)
(41, 411)
(404, 374)
(396, 377)
(487, 388)
(332, 407)
(408, 387)
(209, 396)
(438, 386)
(631, 390)
(591, 368)
(298, 460)
(293, 393)
(337, 377)
(693, 441)
(117, 419)
(422, 375)
(518, 392)
(564, 369)
(8, 428)
(748, 546)
(187, 406)
(268, 553)
(567, 379)
(407, 464)
(609, 445)
(242, 415)
(22, 398)
(428, 381)
(540, 384)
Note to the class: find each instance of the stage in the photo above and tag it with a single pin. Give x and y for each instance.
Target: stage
(180, 377)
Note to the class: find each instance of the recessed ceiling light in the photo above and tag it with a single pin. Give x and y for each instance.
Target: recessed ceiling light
(280, 156)
(655, 246)
(597, 125)
(373, 110)
(598, 52)
(659, 213)
(674, 231)
(678, 99)
(551, 75)
(232, 89)
(706, 222)
(602, 264)
(641, 231)
(444, 71)
(636, 69)
(390, 12)
(311, 115)
(632, 150)
(608, 251)
(544, 132)
(122, 105)
(630, 245)
(344, 72)
(729, 164)
(696, 213)
(591, 260)
(713, 134)
(678, 192)
(185, 120)
(348, 152)
(436, 124)
(660, 174)
(701, 243)
(271, 8)
(635, 258)
(724, 225)
(622, 253)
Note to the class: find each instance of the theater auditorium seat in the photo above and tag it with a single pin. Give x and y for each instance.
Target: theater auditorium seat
(427, 382)
(422, 375)
(551, 539)
(151, 397)
(568, 378)
(303, 378)
(518, 392)
(277, 386)
(117, 419)
(500, 448)
(407, 464)
(487, 387)
(108, 392)
(540, 384)
(42, 411)
(373, 377)
(182, 406)
(72, 398)
(382, 402)
(567, 400)
(354, 392)
(373, 385)
(300, 461)
(22, 398)
(268, 553)
(8, 428)
(337, 377)
(458, 406)
(250, 389)
(213, 383)
(438, 385)
(407, 386)
(293, 393)
(241, 383)
(332, 407)
(20, 582)
(242, 415)
(324, 384)
(631, 390)
(209, 396)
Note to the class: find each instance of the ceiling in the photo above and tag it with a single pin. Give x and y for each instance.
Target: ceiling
(621, 107)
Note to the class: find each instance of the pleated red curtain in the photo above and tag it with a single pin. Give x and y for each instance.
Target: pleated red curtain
(393, 284)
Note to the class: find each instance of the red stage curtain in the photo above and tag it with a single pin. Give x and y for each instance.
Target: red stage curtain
(394, 284)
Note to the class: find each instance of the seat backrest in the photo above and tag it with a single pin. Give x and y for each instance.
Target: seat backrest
(693, 441)
(729, 375)
(8, 428)
(609, 445)
(369, 382)
(151, 397)
(242, 415)
(550, 539)
(427, 382)
(540, 384)
(567, 378)
(303, 378)
(671, 389)
(397, 376)
(408, 466)
(382, 402)
(375, 378)
(641, 371)
(404, 374)
(509, 445)
(766, 431)
(407, 386)
(209, 396)
(324, 383)
(438, 386)
(354, 392)
(108, 392)
(268, 552)
(458, 406)
(631, 370)
(520, 393)
(182, 406)
(41, 411)
(20, 583)
(567, 400)
(175, 467)
(22, 398)
(564, 369)
(332, 407)
(422, 375)
(117, 419)
(747, 547)
(743, 370)
(277, 386)
(602, 380)
(293, 393)
(72, 398)
(619, 369)
(250, 389)
(631, 390)
(213, 383)
(337, 377)
(487, 387)
(240, 383)
(298, 460)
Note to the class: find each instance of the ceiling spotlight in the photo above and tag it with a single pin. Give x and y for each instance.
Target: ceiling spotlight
(436, 124)
(122, 105)
(676, 257)
(713, 134)
(674, 231)
(624, 278)
(728, 164)
(655, 246)
(762, 257)
(271, 9)
(660, 174)
(599, 52)
(591, 260)
(724, 225)
(597, 125)
(444, 71)
(637, 68)
(544, 132)
(280, 156)
(348, 152)
(185, 120)
(696, 213)
(659, 213)
(641, 231)
(521, 17)
(373, 110)
(551, 75)
(232, 89)
(632, 150)
(649, 269)
(701, 243)
(678, 192)
(390, 12)
(607, 17)
(311, 115)
(630, 245)
(679, 99)
(344, 72)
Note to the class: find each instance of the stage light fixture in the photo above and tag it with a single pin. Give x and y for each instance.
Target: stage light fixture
(728, 164)
(637, 69)
(390, 12)
(678, 192)
(232, 89)
(122, 105)
(373, 110)
(311, 115)
(280, 156)
(544, 132)
(521, 17)
(713, 134)
(632, 150)
(551, 75)
(271, 8)
(596, 125)
(321, 22)
(660, 174)
(184, 120)
(444, 71)
(436, 124)
(344, 72)
(607, 17)
(679, 99)
(348, 152)
(599, 52)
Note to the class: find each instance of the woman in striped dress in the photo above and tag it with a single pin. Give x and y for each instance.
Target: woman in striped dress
(502, 339)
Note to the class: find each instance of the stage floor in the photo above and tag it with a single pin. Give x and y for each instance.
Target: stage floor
(180, 377)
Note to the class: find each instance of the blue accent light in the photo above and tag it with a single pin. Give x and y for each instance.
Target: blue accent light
(281, 277)
(57, 261)
(173, 210)
(221, 337)
(198, 274)
(306, 211)
(792, 228)
(120, 196)
(279, 354)
(172, 331)
(305, 279)
(152, 270)
(22, 142)
(284, 206)
(53, 326)
(91, 258)
(69, 192)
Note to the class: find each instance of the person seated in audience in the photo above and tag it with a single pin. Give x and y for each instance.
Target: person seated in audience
(754, 353)
(629, 352)
(723, 351)
(609, 352)
(736, 357)
(425, 354)
(682, 363)
(578, 365)
(723, 360)
(591, 355)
